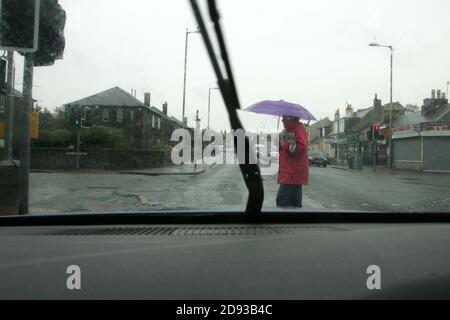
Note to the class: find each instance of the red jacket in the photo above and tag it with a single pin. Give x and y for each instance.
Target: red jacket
(294, 166)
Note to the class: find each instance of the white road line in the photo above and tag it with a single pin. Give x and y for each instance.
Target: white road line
(308, 202)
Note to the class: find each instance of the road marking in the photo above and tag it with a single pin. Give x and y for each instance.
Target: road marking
(311, 203)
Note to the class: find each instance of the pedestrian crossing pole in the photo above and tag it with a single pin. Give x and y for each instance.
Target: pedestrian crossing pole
(9, 108)
(24, 170)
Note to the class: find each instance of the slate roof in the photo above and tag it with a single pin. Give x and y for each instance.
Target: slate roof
(418, 117)
(111, 97)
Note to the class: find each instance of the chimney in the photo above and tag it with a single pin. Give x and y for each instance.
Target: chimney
(443, 95)
(164, 107)
(438, 94)
(349, 111)
(376, 102)
(147, 97)
(433, 94)
(336, 115)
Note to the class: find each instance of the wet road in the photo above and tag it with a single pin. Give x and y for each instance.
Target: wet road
(222, 187)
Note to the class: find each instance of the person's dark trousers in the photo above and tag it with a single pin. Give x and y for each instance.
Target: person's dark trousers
(289, 196)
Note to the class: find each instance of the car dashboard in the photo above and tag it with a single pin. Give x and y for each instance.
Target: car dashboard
(233, 260)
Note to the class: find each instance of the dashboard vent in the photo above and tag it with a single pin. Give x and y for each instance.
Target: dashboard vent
(192, 230)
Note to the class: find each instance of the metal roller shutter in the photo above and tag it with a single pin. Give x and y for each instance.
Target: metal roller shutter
(436, 153)
(407, 149)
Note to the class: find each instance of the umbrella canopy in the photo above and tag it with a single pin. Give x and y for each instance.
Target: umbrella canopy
(281, 108)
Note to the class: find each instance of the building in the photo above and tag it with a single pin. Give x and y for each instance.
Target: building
(421, 140)
(351, 133)
(145, 126)
(342, 128)
(318, 136)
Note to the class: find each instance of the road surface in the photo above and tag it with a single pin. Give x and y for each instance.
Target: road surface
(222, 187)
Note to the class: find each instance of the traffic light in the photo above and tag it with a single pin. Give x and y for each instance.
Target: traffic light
(51, 42)
(73, 115)
(19, 22)
(376, 132)
(373, 133)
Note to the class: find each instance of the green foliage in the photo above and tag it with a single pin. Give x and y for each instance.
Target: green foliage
(49, 120)
(106, 137)
(161, 147)
(59, 138)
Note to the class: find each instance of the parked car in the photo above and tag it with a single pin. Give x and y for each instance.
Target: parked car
(317, 158)
(328, 157)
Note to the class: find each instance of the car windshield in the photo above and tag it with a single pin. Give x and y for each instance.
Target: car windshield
(116, 106)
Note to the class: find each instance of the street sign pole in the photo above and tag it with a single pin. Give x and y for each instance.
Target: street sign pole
(9, 108)
(24, 171)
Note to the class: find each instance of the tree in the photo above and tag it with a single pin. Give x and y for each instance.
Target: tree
(106, 137)
(59, 138)
(49, 120)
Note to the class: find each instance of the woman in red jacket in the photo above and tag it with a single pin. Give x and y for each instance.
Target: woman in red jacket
(293, 169)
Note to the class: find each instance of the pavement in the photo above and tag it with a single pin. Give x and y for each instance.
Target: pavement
(185, 169)
(382, 170)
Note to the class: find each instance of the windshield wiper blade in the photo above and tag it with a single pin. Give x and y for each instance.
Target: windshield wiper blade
(250, 172)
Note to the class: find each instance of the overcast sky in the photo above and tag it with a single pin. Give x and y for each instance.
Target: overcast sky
(314, 53)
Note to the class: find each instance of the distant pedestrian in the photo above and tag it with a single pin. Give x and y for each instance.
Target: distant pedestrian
(293, 170)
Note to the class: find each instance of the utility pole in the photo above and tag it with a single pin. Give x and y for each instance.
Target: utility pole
(9, 108)
(391, 152)
(448, 83)
(390, 158)
(185, 68)
(24, 171)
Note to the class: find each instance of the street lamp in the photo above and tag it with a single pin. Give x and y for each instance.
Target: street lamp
(185, 66)
(373, 44)
(209, 101)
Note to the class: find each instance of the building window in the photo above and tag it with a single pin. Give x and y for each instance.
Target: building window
(153, 121)
(159, 123)
(119, 115)
(105, 115)
(132, 115)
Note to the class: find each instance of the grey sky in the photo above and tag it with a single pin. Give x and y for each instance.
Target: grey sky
(314, 53)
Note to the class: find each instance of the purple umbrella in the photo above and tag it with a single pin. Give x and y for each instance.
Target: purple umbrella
(281, 108)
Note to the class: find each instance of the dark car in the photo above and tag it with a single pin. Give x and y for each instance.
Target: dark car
(317, 158)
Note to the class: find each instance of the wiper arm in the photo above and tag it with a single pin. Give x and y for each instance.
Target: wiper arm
(250, 172)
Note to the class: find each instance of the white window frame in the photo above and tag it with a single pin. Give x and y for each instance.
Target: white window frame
(153, 120)
(119, 115)
(159, 123)
(105, 115)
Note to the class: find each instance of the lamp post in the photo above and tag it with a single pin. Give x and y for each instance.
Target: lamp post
(209, 102)
(448, 82)
(391, 105)
(185, 66)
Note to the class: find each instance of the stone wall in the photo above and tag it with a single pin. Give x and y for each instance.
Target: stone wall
(99, 159)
